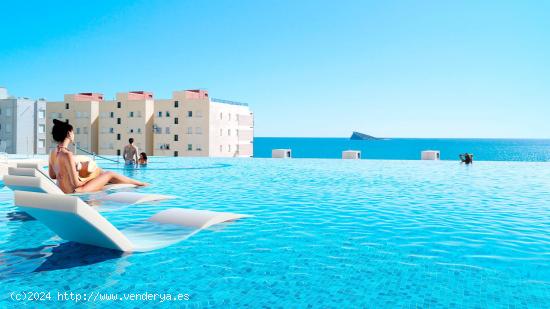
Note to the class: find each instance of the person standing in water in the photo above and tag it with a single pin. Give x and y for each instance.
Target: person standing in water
(142, 158)
(130, 154)
(467, 158)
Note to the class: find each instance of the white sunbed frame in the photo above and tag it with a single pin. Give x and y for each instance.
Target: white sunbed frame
(73, 220)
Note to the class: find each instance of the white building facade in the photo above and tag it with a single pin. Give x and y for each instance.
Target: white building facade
(22, 124)
(192, 124)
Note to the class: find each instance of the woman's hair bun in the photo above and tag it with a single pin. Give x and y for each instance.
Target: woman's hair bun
(60, 130)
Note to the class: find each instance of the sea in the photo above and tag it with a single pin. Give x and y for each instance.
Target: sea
(483, 149)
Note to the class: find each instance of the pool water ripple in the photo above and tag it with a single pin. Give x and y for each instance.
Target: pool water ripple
(324, 233)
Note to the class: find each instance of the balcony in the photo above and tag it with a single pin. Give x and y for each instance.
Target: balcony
(246, 135)
(245, 120)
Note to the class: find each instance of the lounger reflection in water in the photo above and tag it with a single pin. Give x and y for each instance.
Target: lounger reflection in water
(30, 177)
(73, 220)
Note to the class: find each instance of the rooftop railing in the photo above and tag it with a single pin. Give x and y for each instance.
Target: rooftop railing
(228, 102)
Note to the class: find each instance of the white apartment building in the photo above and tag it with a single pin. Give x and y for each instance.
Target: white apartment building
(189, 124)
(192, 124)
(22, 124)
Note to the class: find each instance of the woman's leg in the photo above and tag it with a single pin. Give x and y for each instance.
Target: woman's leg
(100, 181)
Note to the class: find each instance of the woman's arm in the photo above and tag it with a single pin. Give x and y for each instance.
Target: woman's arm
(73, 174)
(50, 168)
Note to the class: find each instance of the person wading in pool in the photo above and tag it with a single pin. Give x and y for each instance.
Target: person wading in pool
(62, 165)
(130, 154)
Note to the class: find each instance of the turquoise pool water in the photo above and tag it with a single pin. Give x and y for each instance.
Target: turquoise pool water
(325, 233)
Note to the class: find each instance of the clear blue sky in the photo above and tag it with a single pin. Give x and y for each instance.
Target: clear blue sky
(308, 68)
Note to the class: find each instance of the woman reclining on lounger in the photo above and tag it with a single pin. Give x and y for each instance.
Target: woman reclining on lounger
(63, 167)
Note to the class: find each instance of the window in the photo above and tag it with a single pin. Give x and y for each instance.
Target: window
(176, 105)
(229, 117)
(189, 130)
(175, 138)
(41, 128)
(77, 130)
(118, 152)
(189, 147)
(167, 130)
(41, 114)
(198, 130)
(175, 152)
(118, 120)
(159, 114)
(66, 105)
(167, 114)
(228, 132)
(111, 130)
(139, 130)
(85, 129)
(237, 132)
(41, 143)
(229, 148)
(112, 114)
(221, 149)
(221, 132)
(189, 113)
(221, 116)
(118, 137)
(131, 114)
(198, 114)
(176, 120)
(198, 148)
(118, 104)
(131, 130)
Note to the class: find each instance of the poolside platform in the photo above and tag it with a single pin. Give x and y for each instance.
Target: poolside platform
(11, 160)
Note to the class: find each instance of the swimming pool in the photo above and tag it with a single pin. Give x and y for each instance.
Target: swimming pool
(325, 233)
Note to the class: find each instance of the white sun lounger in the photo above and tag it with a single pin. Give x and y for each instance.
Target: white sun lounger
(34, 180)
(38, 168)
(73, 220)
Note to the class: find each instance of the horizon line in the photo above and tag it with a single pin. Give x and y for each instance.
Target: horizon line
(385, 138)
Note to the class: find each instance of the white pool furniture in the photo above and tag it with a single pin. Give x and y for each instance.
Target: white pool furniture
(281, 153)
(34, 179)
(73, 220)
(351, 154)
(430, 155)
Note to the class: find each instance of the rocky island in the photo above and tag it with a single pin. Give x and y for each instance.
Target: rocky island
(362, 136)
